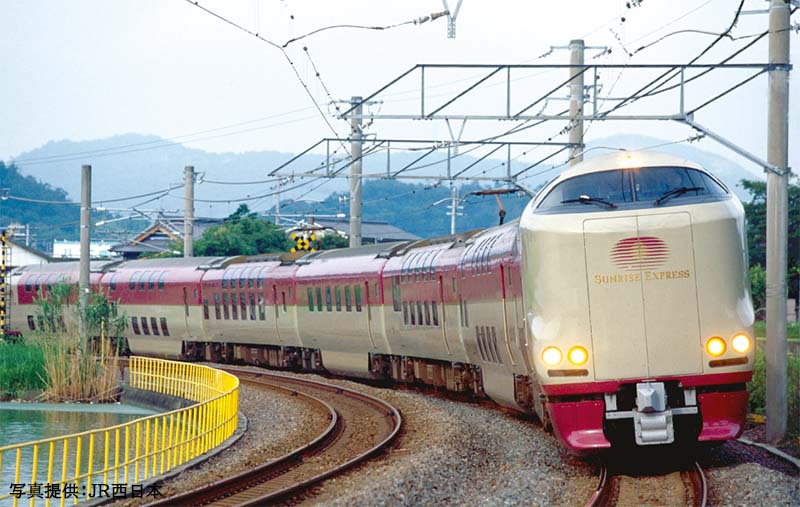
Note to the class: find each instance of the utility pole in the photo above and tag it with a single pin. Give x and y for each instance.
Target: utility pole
(356, 140)
(188, 214)
(86, 224)
(576, 50)
(278, 205)
(777, 219)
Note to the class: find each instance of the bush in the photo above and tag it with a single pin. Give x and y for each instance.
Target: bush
(20, 364)
(758, 286)
(758, 390)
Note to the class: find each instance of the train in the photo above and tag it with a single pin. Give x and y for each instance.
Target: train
(616, 309)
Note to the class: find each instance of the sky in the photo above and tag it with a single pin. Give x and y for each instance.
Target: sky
(89, 69)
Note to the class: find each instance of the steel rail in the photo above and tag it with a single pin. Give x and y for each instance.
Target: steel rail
(251, 488)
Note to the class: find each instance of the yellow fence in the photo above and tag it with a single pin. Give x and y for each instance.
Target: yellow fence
(114, 461)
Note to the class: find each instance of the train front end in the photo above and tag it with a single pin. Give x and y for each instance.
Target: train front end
(638, 303)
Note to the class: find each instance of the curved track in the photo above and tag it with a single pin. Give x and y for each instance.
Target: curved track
(688, 487)
(360, 426)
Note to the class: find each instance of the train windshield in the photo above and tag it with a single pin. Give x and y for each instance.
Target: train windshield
(640, 187)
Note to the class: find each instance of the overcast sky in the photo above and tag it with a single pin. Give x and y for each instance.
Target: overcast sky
(88, 69)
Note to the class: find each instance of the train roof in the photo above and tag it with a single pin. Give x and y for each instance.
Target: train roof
(627, 159)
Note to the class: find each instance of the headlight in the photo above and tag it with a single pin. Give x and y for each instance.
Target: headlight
(551, 356)
(715, 346)
(577, 355)
(741, 343)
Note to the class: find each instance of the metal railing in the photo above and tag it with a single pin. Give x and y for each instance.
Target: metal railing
(107, 461)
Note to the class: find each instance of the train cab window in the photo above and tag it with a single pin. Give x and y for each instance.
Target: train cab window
(151, 284)
(226, 314)
(217, 308)
(31, 323)
(205, 309)
(412, 313)
(328, 305)
(669, 183)
(283, 299)
(112, 284)
(252, 298)
(319, 299)
(310, 299)
(243, 304)
(357, 290)
(405, 313)
(348, 300)
(234, 307)
(134, 279)
(164, 328)
(435, 313)
(427, 314)
(154, 325)
(338, 293)
(396, 293)
(145, 327)
(161, 280)
(135, 325)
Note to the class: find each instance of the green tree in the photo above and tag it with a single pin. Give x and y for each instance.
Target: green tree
(756, 210)
(242, 233)
(331, 241)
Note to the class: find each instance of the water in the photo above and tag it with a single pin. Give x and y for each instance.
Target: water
(25, 422)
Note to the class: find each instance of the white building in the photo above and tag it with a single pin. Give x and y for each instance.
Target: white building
(72, 250)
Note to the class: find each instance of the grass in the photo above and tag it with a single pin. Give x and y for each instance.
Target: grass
(757, 388)
(79, 372)
(792, 330)
(20, 368)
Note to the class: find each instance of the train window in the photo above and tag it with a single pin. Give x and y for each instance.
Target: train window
(161, 280)
(319, 299)
(310, 300)
(283, 299)
(242, 276)
(217, 309)
(357, 290)
(655, 183)
(205, 309)
(145, 327)
(134, 279)
(251, 277)
(419, 313)
(28, 287)
(252, 306)
(494, 345)
(135, 325)
(427, 314)
(151, 284)
(164, 329)
(225, 275)
(396, 293)
(466, 314)
(412, 313)
(454, 284)
(143, 280)
(234, 307)
(262, 314)
(112, 284)
(479, 341)
(328, 304)
(338, 292)
(31, 323)
(225, 312)
(154, 326)
(435, 313)
(243, 304)
(348, 300)
(405, 313)
(260, 280)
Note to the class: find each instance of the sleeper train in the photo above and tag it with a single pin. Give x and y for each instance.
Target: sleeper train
(617, 308)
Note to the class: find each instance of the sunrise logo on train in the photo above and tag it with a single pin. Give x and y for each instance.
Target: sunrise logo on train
(639, 252)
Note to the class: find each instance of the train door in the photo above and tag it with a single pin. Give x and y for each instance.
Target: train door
(277, 311)
(186, 311)
(517, 316)
(443, 323)
(504, 299)
(367, 301)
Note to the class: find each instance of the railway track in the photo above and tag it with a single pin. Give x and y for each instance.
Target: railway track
(687, 487)
(360, 427)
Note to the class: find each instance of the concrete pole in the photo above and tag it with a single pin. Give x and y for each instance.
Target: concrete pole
(777, 220)
(453, 208)
(356, 140)
(86, 233)
(576, 48)
(188, 214)
(278, 205)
